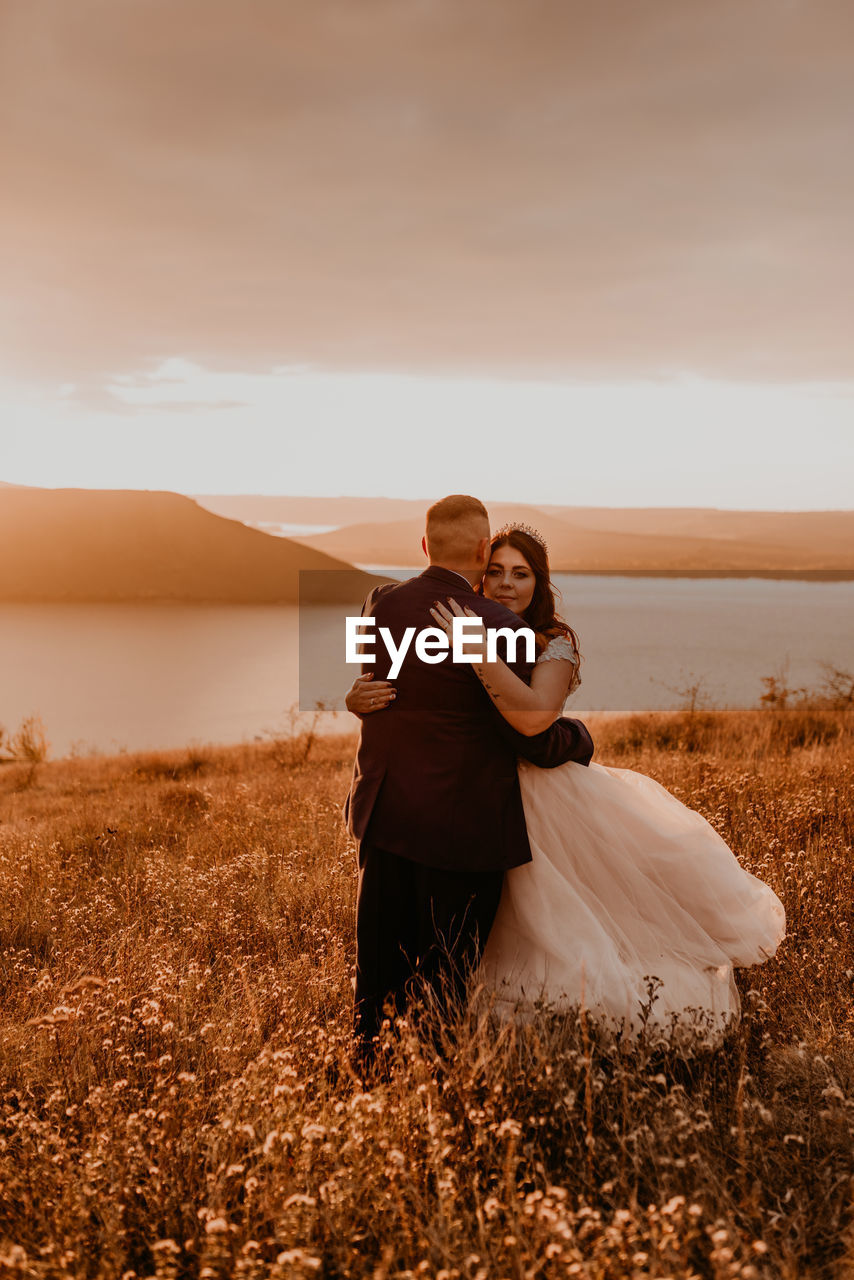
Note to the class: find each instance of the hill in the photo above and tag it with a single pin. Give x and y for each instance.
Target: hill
(112, 545)
(265, 508)
(812, 535)
(655, 540)
(818, 545)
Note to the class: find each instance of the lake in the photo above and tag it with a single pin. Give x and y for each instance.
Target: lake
(139, 676)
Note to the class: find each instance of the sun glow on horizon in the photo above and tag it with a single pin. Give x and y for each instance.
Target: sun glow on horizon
(685, 441)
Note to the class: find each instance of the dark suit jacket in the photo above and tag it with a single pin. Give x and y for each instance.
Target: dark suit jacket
(435, 775)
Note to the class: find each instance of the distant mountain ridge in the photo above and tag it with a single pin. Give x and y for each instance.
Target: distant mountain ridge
(122, 545)
(265, 508)
(812, 544)
(668, 541)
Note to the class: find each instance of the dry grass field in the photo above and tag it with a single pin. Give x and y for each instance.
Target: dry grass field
(176, 1099)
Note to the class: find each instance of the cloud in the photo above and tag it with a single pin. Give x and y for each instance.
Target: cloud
(544, 188)
(97, 399)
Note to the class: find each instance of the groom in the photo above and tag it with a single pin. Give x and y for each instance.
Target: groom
(434, 804)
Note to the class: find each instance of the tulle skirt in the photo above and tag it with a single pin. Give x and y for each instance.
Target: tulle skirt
(631, 900)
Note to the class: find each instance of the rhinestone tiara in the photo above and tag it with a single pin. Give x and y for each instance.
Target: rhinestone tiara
(515, 526)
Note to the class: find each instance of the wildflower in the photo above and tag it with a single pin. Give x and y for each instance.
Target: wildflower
(509, 1128)
(297, 1258)
(313, 1132)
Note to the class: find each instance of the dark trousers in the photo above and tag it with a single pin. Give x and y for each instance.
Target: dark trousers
(417, 927)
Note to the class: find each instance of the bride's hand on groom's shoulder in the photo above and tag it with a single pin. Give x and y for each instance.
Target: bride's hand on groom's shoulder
(366, 695)
(443, 615)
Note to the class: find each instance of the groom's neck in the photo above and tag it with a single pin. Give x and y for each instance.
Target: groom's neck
(472, 576)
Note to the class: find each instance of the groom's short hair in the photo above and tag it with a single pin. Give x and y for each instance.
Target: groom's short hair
(455, 525)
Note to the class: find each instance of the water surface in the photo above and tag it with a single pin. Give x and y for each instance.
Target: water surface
(113, 677)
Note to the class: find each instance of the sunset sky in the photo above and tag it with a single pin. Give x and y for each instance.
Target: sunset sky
(540, 249)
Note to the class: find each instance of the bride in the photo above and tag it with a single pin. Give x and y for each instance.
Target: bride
(632, 905)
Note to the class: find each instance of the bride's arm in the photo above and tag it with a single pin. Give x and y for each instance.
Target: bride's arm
(527, 708)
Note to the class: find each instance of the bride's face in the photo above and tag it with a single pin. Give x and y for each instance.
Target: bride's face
(509, 579)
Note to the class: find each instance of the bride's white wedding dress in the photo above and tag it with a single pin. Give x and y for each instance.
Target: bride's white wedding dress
(626, 884)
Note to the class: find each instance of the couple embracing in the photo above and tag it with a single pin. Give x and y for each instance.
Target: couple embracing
(487, 840)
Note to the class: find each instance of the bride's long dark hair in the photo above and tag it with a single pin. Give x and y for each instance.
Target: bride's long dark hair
(541, 614)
